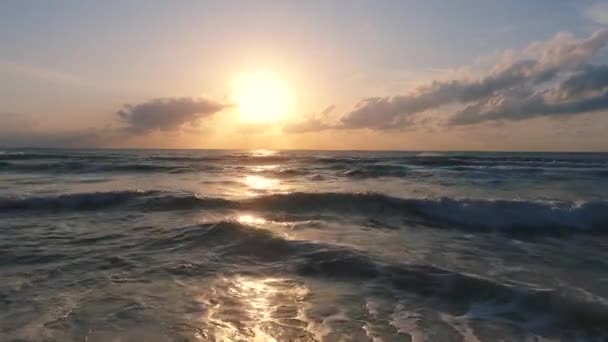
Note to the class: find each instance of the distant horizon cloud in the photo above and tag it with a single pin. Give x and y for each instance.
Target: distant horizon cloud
(167, 114)
(551, 78)
(155, 115)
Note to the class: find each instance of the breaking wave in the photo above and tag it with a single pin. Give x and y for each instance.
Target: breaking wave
(501, 215)
(235, 241)
(377, 171)
(78, 201)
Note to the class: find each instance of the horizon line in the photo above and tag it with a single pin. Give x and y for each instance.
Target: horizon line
(294, 149)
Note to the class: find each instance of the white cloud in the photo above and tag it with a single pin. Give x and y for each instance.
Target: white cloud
(548, 78)
(598, 12)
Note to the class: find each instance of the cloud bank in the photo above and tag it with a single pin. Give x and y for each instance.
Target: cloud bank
(550, 78)
(167, 114)
(583, 92)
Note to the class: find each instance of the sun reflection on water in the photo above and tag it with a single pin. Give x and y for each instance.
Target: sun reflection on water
(256, 309)
(250, 219)
(262, 153)
(261, 182)
(262, 168)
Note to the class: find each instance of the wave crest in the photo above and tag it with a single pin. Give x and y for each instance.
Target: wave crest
(78, 201)
(481, 214)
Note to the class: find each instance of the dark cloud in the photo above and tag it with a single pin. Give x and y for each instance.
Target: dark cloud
(588, 80)
(391, 112)
(167, 114)
(585, 90)
(514, 108)
(515, 90)
(506, 93)
(170, 114)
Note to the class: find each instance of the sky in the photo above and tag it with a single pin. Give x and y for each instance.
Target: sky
(343, 74)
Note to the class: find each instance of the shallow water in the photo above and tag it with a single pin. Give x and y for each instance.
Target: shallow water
(118, 245)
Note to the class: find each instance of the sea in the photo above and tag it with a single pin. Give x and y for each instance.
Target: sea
(229, 245)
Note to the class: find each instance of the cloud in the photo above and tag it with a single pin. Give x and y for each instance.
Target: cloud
(515, 89)
(525, 106)
(584, 90)
(167, 114)
(156, 115)
(588, 80)
(598, 12)
(391, 112)
(565, 50)
(314, 124)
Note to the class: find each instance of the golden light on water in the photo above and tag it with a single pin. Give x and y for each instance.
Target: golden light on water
(248, 308)
(262, 97)
(260, 182)
(261, 168)
(250, 219)
(262, 153)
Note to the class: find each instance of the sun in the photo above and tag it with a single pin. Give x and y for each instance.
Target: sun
(262, 97)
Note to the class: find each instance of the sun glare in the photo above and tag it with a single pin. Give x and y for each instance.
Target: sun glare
(262, 98)
(260, 182)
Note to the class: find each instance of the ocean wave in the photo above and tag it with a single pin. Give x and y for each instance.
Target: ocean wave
(229, 239)
(462, 292)
(436, 161)
(284, 172)
(348, 160)
(246, 158)
(519, 305)
(146, 158)
(458, 213)
(77, 201)
(503, 161)
(376, 171)
(226, 248)
(4, 155)
(292, 165)
(250, 159)
(187, 158)
(498, 169)
(501, 215)
(92, 167)
(237, 243)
